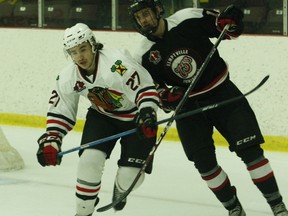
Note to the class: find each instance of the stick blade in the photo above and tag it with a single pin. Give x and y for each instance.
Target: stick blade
(114, 203)
(264, 80)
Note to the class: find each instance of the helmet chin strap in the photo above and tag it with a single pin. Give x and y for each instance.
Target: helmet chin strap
(149, 32)
(150, 35)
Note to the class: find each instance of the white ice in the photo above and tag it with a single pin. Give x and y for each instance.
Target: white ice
(173, 189)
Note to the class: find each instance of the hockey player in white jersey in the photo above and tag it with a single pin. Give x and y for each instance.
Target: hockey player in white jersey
(122, 95)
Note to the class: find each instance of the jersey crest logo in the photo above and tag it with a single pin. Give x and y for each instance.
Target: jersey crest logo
(119, 68)
(79, 86)
(184, 67)
(155, 57)
(183, 64)
(105, 98)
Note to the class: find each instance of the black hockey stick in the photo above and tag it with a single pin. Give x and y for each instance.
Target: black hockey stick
(194, 80)
(179, 116)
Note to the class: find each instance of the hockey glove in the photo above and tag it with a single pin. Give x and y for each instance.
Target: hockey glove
(146, 123)
(170, 97)
(233, 16)
(49, 146)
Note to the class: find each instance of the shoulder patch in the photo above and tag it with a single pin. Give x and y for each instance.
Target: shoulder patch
(155, 56)
(119, 68)
(79, 86)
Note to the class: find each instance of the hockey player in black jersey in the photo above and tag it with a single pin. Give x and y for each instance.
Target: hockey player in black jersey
(173, 50)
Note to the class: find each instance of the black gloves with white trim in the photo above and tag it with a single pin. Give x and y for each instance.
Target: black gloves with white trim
(234, 16)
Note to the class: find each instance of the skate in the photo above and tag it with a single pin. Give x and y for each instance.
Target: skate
(116, 195)
(96, 202)
(237, 211)
(279, 210)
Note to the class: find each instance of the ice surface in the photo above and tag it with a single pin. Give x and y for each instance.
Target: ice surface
(173, 189)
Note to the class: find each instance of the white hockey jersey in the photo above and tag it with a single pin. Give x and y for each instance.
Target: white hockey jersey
(118, 88)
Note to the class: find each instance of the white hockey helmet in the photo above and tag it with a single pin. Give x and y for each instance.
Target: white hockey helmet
(78, 34)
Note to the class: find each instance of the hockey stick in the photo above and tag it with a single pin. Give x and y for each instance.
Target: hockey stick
(179, 116)
(194, 80)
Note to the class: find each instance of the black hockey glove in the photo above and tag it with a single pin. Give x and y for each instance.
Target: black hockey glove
(234, 16)
(49, 146)
(146, 123)
(170, 97)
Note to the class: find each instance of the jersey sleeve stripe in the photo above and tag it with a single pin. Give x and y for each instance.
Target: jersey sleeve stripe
(149, 101)
(146, 89)
(59, 124)
(55, 122)
(54, 115)
(56, 130)
(149, 95)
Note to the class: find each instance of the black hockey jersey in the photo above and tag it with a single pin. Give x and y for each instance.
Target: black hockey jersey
(174, 59)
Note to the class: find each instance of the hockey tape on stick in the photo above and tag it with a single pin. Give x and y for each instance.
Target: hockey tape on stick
(194, 81)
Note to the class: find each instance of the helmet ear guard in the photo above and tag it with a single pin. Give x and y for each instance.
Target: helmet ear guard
(137, 5)
(79, 34)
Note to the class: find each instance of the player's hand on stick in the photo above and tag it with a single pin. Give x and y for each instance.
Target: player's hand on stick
(146, 122)
(170, 97)
(49, 147)
(232, 16)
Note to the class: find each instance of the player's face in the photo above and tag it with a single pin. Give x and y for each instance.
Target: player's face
(146, 18)
(83, 56)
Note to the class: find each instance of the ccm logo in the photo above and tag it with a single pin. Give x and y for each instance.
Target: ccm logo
(246, 140)
(136, 160)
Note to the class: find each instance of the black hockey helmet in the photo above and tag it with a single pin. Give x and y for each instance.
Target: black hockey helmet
(136, 5)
